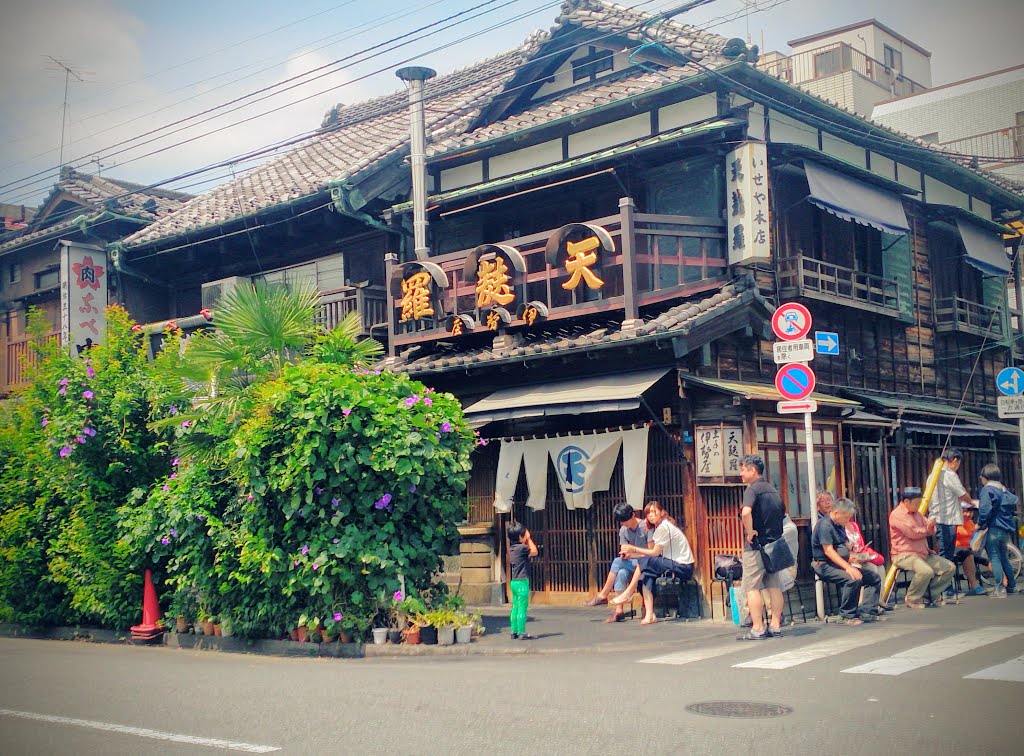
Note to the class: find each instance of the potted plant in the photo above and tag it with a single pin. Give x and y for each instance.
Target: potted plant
(404, 611)
(443, 621)
(226, 626)
(463, 627)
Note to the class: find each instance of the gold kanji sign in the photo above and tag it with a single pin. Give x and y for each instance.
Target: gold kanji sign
(416, 297)
(582, 258)
(492, 283)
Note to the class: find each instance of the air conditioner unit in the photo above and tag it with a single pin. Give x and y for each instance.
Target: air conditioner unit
(214, 291)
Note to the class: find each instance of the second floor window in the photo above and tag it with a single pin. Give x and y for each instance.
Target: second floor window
(893, 59)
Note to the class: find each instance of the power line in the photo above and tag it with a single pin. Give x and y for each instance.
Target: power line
(68, 73)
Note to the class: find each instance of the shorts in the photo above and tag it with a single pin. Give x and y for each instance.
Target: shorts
(754, 576)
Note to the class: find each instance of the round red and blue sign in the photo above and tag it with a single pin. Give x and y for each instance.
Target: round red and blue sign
(791, 321)
(795, 381)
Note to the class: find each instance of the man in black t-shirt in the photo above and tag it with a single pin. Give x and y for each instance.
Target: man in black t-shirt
(762, 514)
(831, 560)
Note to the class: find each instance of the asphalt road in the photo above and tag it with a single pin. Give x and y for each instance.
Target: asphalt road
(895, 687)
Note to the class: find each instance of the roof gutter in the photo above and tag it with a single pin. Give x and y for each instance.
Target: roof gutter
(116, 253)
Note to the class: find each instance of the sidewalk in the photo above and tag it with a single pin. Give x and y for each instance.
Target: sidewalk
(557, 630)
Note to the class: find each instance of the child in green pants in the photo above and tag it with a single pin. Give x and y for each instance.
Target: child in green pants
(521, 550)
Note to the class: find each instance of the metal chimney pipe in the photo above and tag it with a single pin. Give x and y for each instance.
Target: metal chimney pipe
(414, 76)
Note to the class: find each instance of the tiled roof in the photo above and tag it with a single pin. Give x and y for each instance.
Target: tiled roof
(97, 195)
(565, 338)
(355, 138)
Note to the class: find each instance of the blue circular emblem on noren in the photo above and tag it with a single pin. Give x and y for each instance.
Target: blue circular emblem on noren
(572, 468)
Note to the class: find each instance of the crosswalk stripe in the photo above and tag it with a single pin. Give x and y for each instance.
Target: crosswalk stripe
(830, 647)
(1011, 671)
(693, 654)
(930, 653)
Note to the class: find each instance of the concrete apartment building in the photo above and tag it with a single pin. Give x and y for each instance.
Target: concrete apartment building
(982, 115)
(856, 65)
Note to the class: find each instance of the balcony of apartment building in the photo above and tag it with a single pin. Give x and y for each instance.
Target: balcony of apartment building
(801, 275)
(809, 66)
(1002, 149)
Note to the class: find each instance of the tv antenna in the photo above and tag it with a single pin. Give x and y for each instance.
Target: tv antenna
(68, 73)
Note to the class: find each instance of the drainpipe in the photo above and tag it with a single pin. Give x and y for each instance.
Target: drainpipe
(414, 76)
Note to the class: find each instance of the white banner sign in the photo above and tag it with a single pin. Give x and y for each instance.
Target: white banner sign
(1010, 407)
(746, 171)
(83, 296)
(785, 352)
(719, 450)
(583, 464)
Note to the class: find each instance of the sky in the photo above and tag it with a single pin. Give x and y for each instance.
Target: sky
(139, 67)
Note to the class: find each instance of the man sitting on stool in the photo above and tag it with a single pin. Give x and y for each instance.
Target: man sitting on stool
(909, 531)
(830, 552)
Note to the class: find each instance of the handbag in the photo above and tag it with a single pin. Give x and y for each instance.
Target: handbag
(728, 568)
(776, 555)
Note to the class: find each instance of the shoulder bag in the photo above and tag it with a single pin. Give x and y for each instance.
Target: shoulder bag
(776, 555)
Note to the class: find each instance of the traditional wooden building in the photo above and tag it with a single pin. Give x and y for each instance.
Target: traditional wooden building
(609, 238)
(72, 226)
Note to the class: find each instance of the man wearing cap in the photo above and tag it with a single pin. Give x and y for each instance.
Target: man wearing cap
(945, 506)
(908, 533)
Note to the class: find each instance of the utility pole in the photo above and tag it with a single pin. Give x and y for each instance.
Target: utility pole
(68, 73)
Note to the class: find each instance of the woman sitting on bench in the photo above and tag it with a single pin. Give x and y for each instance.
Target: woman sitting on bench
(669, 553)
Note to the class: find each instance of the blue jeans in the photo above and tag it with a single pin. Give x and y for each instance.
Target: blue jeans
(995, 545)
(945, 541)
(623, 569)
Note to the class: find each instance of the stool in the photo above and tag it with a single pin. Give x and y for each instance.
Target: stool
(799, 598)
(670, 593)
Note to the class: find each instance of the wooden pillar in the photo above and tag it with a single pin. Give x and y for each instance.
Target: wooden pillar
(389, 267)
(631, 318)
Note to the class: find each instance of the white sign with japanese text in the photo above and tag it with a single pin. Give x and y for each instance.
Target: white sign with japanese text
(719, 450)
(1010, 407)
(786, 352)
(749, 235)
(83, 296)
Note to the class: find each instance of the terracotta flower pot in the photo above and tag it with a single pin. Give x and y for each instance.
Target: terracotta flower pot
(344, 637)
(181, 624)
(412, 636)
(208, 628)
(293, 635)
(302, 634)
(216, 630)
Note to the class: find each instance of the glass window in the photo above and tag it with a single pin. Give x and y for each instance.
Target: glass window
(893, 59)
(786, 463)
(48, 278)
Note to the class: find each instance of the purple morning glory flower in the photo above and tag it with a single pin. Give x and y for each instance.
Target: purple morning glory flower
(446, 428)
(89, 431)
(201, 518)
(383, 501)
(44, 422)
(318, 490)
(336, 540)
(335, 502)
(428, 401)
(250, 497)
(174, 533)
(410, 401)
(87, 394)
(186, 423)
(305, 550)
(62, 390)
(412, 488)
(337, 616)
(175, 462)
(80, 439)
(90, 372)
(346, 412)
(166, 487)
(295, 563)
(316, 566)
(64, 451)
(482, 442)
(63, 382)
(377, 371)
(173, 476)
(165, 541)
(173, 410)
(398, 596)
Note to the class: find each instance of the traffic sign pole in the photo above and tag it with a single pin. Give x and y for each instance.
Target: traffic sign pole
(819, 591)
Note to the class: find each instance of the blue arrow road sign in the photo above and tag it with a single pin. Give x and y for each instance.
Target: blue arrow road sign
(1010, 381)
(826, 342)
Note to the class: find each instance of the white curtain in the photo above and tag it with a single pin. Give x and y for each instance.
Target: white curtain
(583, 465)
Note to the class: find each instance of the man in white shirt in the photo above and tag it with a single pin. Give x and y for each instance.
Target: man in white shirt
(945, 507)
(670, 552)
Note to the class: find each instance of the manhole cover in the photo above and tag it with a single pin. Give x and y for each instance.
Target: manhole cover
(739, 709)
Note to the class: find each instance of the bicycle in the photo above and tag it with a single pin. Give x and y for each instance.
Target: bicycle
(985, 566)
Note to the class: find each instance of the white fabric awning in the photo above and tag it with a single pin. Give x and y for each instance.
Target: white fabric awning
(855, 201)
(607, 393)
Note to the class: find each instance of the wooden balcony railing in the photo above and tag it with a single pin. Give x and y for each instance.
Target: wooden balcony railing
(369, 301)
(807, 277)
(836, 58)
(673, 256)
(955, 314)
(21, 360)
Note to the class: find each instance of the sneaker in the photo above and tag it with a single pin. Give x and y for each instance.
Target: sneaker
(998, 593)
(515, 636)
(750, 635)
(914, 604)
(774, 633)
(950, 593)
(940, 601)
(849, 621)
(976, 591)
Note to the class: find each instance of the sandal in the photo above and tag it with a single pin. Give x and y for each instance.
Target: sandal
(650, 621)
(595, 601)
(750, 635)
(615, 618)
(622, 598)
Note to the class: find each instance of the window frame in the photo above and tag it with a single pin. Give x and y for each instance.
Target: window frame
(782, 447)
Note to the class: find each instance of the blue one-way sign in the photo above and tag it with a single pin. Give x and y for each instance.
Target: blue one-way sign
(826, 342)
(1010, 381)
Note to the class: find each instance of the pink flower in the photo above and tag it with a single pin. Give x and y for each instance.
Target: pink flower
(63, 382)
(305, 550)
(337, 616)
(44, 422)
(295, 563)
(186, 423)
(446, 428)
(410, 401)
(398, 596)
(87, 394)
(250, 497)
(90, 372)
(80, 439)
(316, 566)
(173, 410)
(482, 442)
(205, 312)
(165, 541)
(89, 431)
(166, 487)
(173, 476)
(175, 462)
(64, 451)
(346, 412)
(62, 390)
(174, 533)
(428, 402)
